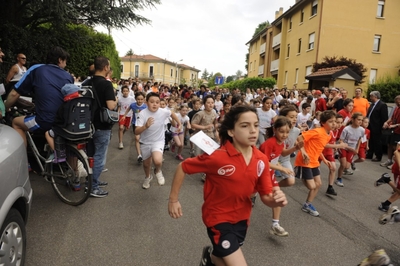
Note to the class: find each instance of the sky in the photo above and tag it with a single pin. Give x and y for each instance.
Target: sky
(205, 34)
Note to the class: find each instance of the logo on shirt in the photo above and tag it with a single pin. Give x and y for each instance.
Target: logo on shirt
(226, 170)
(260, 167)
(226, 244)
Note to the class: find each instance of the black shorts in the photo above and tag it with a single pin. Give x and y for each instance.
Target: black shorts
(226, 238)
(306, 172)
(394, 139)
(133, 128)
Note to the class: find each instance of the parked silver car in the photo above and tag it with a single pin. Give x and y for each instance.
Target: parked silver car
(15, 197)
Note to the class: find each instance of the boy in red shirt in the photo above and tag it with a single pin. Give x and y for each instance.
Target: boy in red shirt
(307, 162)
(233, 172)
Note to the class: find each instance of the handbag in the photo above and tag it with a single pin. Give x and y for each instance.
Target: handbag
(107, 116)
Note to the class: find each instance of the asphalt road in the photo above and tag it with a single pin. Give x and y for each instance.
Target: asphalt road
(132, 226)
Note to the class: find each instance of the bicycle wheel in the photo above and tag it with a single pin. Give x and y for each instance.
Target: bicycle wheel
(72, 180)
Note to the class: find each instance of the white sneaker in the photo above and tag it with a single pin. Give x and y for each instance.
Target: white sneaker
(121, 146)
(160, 178)
(146, 182)
(278, 230)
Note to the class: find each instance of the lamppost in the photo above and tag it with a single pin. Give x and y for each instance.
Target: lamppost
(176, 69)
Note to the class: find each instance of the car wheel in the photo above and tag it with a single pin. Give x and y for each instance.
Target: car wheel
(13, 239)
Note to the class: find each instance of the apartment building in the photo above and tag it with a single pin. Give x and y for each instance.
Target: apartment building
(364, 30)
(150, 67)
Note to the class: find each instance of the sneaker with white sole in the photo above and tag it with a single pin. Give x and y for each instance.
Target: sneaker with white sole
(206, 256)
(348, 172)
(385, 218)
(146, 182)
(278, 230)
(339, 182)
(387, 163)
(120, 146)
(160, 178)
(310, 209)
(139, 159)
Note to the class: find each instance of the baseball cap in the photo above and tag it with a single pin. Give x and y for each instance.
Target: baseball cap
(318, 92)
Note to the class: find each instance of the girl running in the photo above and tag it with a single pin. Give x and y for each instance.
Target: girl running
(233, 171)
(267, 117)
(351, 135)
(273, 148)
(178, 134)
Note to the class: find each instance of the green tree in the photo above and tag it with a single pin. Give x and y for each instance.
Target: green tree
(130, 52)
(230, 78)
(109, 13)
(260, 27)
(205, 74)
(239, 74)
(252, 83)
(335, 61)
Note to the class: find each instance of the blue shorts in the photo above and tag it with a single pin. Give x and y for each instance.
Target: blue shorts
(30, 123)
(226, 238)
(306, 172)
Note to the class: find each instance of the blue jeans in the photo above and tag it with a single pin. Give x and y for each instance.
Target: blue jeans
(101, 139)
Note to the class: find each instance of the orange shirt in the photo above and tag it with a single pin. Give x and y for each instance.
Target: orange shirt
(154, 89)
(314, 143)
(361, 105)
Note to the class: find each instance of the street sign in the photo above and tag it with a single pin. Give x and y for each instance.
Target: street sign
(219, 80)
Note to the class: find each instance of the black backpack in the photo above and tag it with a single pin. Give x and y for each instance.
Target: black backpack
(76, 117)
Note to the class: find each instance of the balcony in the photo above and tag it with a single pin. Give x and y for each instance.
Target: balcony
(262, 48)
(261, 70)
(276, 41)
(275, 65)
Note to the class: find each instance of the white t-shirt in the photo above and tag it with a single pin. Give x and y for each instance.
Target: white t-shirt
(351, 135)
(218, 105)
(131, 94)
(155, 132)
(302, 119)
(125, 103)
(312, 106)
(183, 121)
(249, 97)
(265, 118)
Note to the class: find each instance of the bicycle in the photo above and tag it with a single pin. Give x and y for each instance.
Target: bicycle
(68, 168)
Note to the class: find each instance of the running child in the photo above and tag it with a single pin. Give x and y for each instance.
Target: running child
(315, 122)
(178, 134)
(351, 135)
(206, 120)
(395, 184)
(303, 117)
(233, 171)
(364, 145)
(136, 107)
(307, 162)
(267, 117)
(273, 148)
(150, 127)
(124, 117)
(196, 103)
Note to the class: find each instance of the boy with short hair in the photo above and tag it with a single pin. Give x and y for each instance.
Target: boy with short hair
(150, 126)
(124, 116)
(307, 162)
(303, 117)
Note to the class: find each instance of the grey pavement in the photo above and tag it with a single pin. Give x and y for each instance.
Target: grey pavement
(132, 226)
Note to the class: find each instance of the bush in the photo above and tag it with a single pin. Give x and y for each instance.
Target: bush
(252, 83)
(389, 87)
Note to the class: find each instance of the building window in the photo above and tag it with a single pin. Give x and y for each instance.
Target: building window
(176, 73)
(172, 72)
(255, 65)
(299, 48)
(288, 50)
(377, 43)
(297, 76)
(372, 76)
(381, 5)
(151, 71)
(136, 71)
(308, 72)
(311, 39)
(121, 68)
(314, 8)
(302, 16)
(251, 66)
(290, 23)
